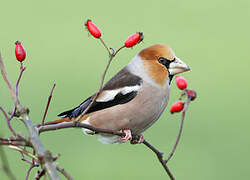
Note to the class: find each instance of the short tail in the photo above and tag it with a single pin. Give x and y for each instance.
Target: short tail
(66, 119)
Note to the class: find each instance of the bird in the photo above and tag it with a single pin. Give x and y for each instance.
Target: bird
(133, 99)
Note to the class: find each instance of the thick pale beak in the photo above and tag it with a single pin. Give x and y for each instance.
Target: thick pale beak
(177, 66)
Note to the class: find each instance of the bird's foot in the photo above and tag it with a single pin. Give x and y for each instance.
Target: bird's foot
(138, 139)
(127, 137)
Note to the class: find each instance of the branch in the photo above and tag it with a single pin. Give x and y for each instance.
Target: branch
(23, 151)
(76, 124)
(5, 165)
(22, 69)
(112, 54)
(12, 92)
(180, 129)
(48, 103)
(15, 142)
(6, 79)
(44, 156)
(159, 154)
(40, 174)
(22, 113)
(28, 171)
(65, 173)
(160, 158)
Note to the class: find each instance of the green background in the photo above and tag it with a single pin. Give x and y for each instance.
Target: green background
(212, 37)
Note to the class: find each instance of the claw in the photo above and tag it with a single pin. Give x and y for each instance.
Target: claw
(138, 140)
(127, 137)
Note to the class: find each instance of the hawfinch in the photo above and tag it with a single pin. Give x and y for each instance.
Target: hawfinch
(134, 98)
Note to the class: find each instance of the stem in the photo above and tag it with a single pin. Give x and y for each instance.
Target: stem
(5, 165)
(28, 171)
(47, 159)
(180, 130)
(48, 103)
(14, 142)
(104, 44)
(22, 69)
(111, 56)
(6, 79)
(76, 124)
(65, 173)
(160, 158)
(9, 118)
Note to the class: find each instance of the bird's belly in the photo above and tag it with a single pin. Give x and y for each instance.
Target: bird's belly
(137, 115)
(146, 116)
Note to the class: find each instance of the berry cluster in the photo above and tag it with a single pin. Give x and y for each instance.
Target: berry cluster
(182, 85)
(96, 33)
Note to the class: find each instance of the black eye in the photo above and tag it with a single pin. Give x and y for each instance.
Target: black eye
(164, 61)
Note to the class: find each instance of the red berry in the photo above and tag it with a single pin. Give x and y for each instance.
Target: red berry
(93, 29)
(177, 107)
(191, 94)
(20, 51)
(134, 39)
(181, 82)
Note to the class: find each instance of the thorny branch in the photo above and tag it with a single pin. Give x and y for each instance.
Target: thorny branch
(44, 156)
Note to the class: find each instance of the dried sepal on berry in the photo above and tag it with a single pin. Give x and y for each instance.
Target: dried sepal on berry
(93, 29)
(20, 51)
(177, 107)
(191, 94)
(181, 82)
(134, 39)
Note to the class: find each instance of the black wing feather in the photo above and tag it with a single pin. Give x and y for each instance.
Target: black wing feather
(96, 106)
(121, 79)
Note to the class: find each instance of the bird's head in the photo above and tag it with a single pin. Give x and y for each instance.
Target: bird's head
(161, 63)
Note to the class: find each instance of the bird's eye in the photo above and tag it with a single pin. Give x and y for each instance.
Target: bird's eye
(164, 61)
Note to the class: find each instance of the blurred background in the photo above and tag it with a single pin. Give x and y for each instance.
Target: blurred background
(212, 37)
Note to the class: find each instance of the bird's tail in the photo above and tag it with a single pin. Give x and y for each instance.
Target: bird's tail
(66, 119)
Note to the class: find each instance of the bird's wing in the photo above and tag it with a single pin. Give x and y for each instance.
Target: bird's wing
(122, 88)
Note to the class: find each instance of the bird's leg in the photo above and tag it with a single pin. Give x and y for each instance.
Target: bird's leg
(138, 139)
(127, 137)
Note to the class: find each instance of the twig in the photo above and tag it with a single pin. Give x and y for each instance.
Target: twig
(104, 44)
(76, 124)
(22, 69)
(40, 174)
(14, 94)
(5, 165)
(48, 103)
(44, 156)
(9, 119)
(6, 79)
(65, 173)
(111, 56)
(32, 163)
(28, 171)
(4, 113)
(180, 129)
(160, 158)
(14, 142)
(23, 151)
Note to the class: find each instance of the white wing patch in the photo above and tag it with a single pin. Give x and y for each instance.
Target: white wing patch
(109, 95)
